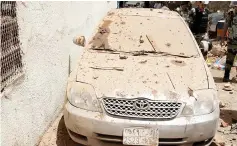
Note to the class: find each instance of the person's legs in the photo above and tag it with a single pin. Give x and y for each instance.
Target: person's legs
(229, 63)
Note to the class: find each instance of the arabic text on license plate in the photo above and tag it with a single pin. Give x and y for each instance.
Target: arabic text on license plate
(141, 136)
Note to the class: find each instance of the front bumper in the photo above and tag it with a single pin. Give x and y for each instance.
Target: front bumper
(99, 129)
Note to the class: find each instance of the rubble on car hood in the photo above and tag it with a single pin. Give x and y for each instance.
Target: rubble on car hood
(142, 76)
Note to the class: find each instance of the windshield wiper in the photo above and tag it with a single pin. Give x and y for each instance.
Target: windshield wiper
(142, 53)
(178, 55)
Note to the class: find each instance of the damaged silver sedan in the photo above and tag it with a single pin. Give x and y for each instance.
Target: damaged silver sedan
(141, 80)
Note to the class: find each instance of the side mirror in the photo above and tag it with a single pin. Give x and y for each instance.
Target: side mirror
(79, 40)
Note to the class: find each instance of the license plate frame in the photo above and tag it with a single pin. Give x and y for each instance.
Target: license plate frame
(141, 136)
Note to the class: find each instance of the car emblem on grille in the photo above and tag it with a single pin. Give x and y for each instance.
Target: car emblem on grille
(141, 104)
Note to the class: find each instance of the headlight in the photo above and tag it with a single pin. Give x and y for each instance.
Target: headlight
(203, 102)
(83, 96)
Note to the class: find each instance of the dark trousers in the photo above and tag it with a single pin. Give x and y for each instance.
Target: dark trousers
(231, 52)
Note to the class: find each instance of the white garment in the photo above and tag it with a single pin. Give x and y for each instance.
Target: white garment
(157, 5)
(235, 61)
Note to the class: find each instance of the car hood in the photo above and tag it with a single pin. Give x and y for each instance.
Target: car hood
(157, 78)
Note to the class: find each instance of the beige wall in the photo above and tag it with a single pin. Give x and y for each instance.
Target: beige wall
(46, 33)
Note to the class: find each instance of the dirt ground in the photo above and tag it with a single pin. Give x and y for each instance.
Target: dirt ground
(228, 114)
(57, 133)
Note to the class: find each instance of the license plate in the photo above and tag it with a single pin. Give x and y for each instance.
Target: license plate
(141, 136)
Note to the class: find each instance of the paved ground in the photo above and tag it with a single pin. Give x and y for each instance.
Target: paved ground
(57, 134)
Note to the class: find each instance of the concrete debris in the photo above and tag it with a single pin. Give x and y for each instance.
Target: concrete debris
(190, 92)
(216, 58)
(227, 87)
(226, 132)
(221, 104)
(80, 40)
(95, 77)
(103, 30)
(141, 40)
(143, 61)
(110, 13)
(221, 130)
(168, 44)
(218, 140)
(123, 22)
(224, 124)
(123, 56)
(178, 62)
(217, 50)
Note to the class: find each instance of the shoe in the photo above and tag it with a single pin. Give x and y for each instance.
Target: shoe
(226, 80)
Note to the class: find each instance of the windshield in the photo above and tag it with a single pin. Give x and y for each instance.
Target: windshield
(137, 30)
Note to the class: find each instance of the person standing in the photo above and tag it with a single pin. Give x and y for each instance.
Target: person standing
(196, 14)
(231, 27)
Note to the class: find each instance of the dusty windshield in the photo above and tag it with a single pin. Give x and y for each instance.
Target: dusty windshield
(143, 30)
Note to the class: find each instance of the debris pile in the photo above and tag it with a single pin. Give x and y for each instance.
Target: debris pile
(227, 87)
(221, 104)
(216, 58)
(79, 40)
(217, 50)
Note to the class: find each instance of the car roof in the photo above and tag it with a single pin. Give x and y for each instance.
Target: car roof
(139, 29)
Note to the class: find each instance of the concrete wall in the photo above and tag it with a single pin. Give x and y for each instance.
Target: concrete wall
(46, 33)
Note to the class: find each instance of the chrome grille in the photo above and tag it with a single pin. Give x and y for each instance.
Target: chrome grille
(154, 110)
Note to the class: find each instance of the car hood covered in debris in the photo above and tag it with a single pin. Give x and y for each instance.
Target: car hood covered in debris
(143, 53)
(139, 76)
